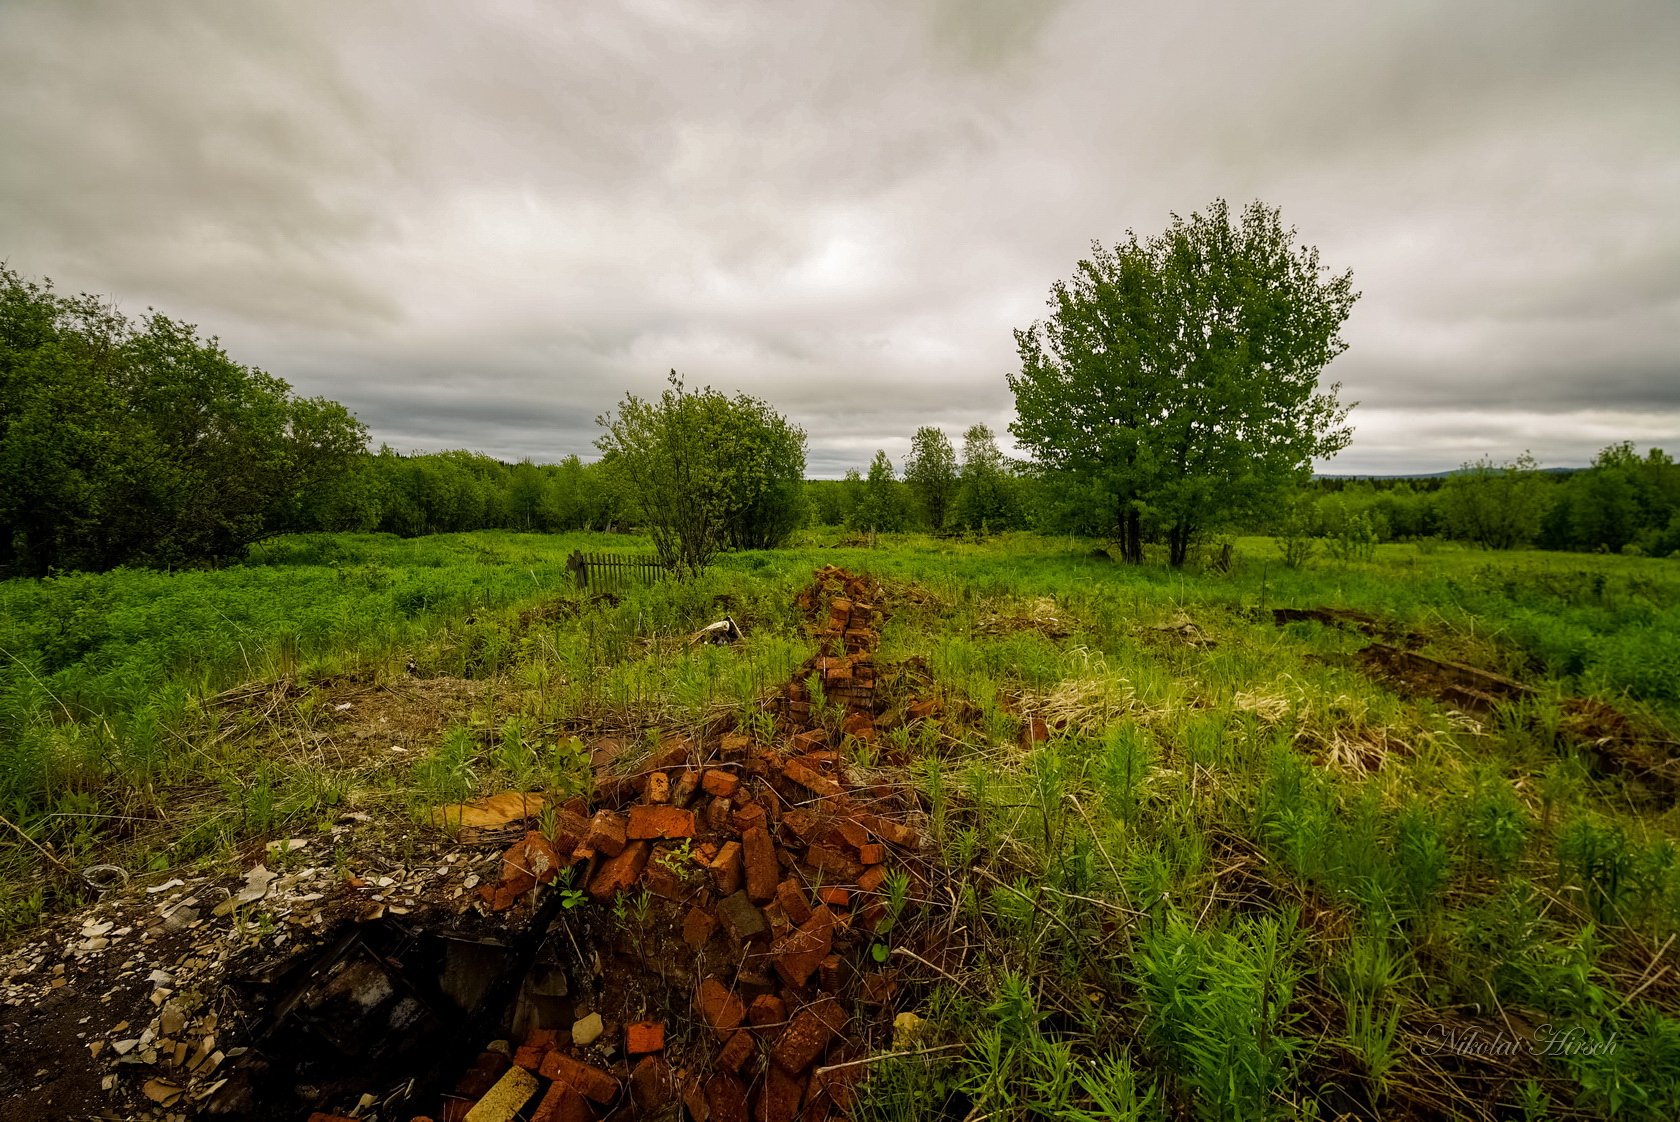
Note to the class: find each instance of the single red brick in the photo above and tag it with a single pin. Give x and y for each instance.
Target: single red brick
(735, 744)
(642, 1037)
(808, 1034)
(719, 782)
(808, 740)
(758, 854)
(766, 1009)
(1034, 731)
(887, 830)
(725, 869)
(834, 896)
(533, 856)
(586, 1079)
(802, 824)
(792, 899)
(741, 918)
(606, 833)
(831, 974)
(859, 725)
(719, 1008)
(872, 879)
(660, 822)
(563, 1104)
(685, 787)
(799, 772)
(726, 1098)
(735, 1053)
(698, 926)
(923, 710)
(717, 815)
(798, 954)
(619, 873)
(850, 832)
(832, 863)
(745, 817)
(872, 854)
(657, 788)
(779, 1097)
(652, 1087)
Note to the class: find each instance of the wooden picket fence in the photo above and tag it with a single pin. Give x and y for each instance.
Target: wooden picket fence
(603, 572)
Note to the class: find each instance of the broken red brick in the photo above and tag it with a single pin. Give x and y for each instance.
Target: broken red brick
(735, 1053)
(606, 833)
(726, 1098)
(652, 1087)
(834, 896)
(725, 869)
(735, 744)
(686, 785)
(860, 725)
(872, 854)
(792, 899)
(766, 1009)
(719, 1008)
(698, 927)
(619, 873)
(719, 782)
(850, 831)
(923, 710)
(758, 854)
(802, 824)
(717, 815)
(657, 788)
(831, 974)
(744, 818)
(808, 1034)
(659, 878)
(808, 740)
(586, 1079)
(563, 1104)
(872, 879)
(809, 778)
(1034, 731)
(797, 955)
(642, 1037)
(779, 1097)
(887, 830)
(833, 863)
(660, 822)
(742, 918)
(538, 1043)
(880, 988)
(532, 856)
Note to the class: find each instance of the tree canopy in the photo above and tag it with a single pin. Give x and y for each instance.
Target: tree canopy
(126, 442)
(1177, 377)
(931, 472)
(706, 471)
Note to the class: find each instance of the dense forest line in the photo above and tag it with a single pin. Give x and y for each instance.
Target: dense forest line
(137, 442)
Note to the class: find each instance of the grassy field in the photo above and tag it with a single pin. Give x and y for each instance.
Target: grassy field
(1245, 877)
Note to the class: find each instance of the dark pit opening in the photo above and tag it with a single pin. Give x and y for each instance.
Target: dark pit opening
(404, 1014)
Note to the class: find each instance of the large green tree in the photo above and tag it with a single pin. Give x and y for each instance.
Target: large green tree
(706, 471)
(931, 472)
(986, 493)
(127, 442)
(1177, 376)
(1497, 506)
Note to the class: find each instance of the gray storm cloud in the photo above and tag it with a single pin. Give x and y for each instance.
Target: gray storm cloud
(479, 226)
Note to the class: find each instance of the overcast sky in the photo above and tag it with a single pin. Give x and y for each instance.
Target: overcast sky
(479, 224)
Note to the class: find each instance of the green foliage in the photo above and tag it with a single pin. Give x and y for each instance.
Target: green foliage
(143, 444)
(880, 506)
(707, 472)
(987, 493)
(1218, 1007)
(931, 473)
(1497, 506)
(1179, 374)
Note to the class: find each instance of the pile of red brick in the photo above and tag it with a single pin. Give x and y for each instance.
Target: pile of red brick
(768, 864)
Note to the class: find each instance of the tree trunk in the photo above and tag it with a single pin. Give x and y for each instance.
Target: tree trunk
(1178, 545)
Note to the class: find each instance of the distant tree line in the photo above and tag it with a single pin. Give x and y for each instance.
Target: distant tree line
(1624, 502)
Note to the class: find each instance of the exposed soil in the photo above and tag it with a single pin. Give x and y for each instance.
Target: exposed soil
(712, 907)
